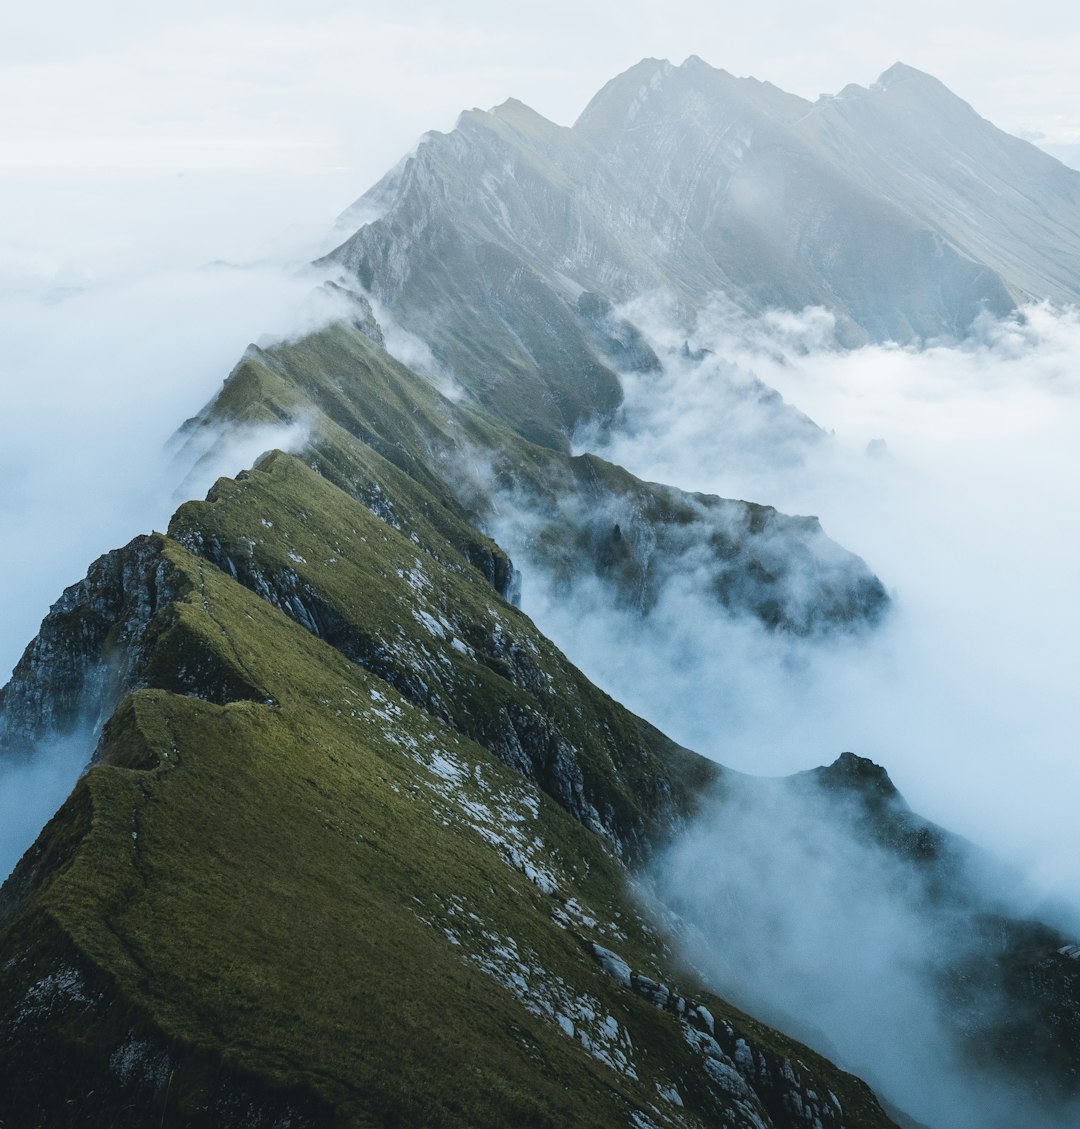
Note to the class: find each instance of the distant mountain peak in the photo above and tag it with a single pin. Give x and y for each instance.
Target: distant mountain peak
(627, 89)
(901, 75)
(512, 106)
(692, 62)
(517, 113)
(898, 72)
(851, 772)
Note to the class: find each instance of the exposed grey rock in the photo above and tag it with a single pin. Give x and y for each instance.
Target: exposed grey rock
(612, 964)
(92, 648)
(999, 201)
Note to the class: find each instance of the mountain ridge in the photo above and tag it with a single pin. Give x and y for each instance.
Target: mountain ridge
(688, 181)
(357, 844)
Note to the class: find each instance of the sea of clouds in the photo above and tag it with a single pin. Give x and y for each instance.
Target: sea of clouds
(951, 467)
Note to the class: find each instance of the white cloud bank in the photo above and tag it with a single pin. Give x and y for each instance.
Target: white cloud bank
(954, 472)
(107, 350)
(95, 383)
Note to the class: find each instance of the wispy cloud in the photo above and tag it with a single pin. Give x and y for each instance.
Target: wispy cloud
(952, 471)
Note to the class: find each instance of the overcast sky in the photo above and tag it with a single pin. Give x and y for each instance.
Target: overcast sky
(278, 112)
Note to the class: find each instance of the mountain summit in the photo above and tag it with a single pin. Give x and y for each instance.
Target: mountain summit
(897, 208)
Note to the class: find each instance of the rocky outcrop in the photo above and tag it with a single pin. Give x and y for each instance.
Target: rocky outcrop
(478, 667)
(767, 1090)
(584, 517)
(92, 649)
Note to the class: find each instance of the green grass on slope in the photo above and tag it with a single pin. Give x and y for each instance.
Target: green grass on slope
(429, 465)
(377, 431)
(445, 640)
(332, 908)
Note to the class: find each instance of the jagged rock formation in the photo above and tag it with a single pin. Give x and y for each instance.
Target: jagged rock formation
(92, 649)
(1013, 989)
(897, 208)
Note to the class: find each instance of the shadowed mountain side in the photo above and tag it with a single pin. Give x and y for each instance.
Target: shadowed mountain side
(387, 437)
(1013, 988)
(824, 904)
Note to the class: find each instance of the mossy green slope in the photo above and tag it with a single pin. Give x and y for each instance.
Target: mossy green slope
(386, 436)
(444, 639)
(317, 904)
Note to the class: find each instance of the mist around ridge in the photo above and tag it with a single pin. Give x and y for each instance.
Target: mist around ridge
(97, 380)
(951, 471)
(796, 916)
(99, 377)
(951, 467)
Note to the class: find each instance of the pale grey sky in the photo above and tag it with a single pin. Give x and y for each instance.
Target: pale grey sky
(281, 84)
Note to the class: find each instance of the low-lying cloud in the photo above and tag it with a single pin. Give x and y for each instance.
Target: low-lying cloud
(97, 381)
(951, 469)
(807, 924)
(30, 791)
(101, 367)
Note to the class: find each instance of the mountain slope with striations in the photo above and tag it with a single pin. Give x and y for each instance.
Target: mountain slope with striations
(897, 208)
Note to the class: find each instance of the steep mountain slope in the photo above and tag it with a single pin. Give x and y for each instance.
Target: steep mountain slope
(336, 756)
(287, 894)
(353, 850)
(330, 619)
(999, 200)
(785, 224)
(380, 431)
(897, 208)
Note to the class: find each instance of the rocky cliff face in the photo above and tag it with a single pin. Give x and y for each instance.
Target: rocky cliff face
(92, 649)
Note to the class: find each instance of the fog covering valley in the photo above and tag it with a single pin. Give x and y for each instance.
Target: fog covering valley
(948, 465)
(952, 469)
